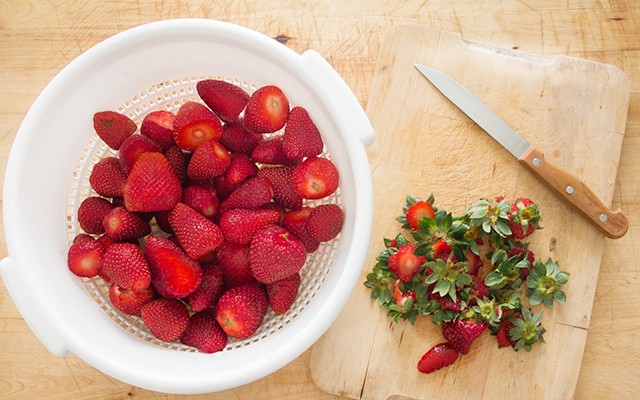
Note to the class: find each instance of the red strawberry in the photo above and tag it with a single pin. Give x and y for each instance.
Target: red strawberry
(209, 160)
(108, 178)
(125, 264)
(524, 217)
(461, 333)
(277, 207)
(267, 110)
(133, 147)
(283, 293)
(404, 263)
(209, 290)
(325, 222)
(173, 273)
(225, 99)
(240, 310)
(441, 249)
(195, 124)
(474, 262)
(502, 336)
(130, 302)
(275, 254)
(82, 236)
(167, 319)
(480, 290)
(269, 151)
(439, 356)
(253, 193)
(239, 225)
(204, 333)
(295, 221)
(84, 258)
(234, 261)
(152, 184)
(239, 140)
(240, 169)
(281, 181)
(105, 241)
(158, 126)
(162, 220)
(222, 187)
(179, 161)
(113, 128)
(121, 225)
(401, 297)
(91, 213)
(315, 178)
(201, 199)
(197, 235)
(417, 211)
(301, 136)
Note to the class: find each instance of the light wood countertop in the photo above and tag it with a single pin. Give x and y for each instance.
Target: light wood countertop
(37, 39)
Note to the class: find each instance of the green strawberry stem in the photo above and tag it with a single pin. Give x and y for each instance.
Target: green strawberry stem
(445, 288)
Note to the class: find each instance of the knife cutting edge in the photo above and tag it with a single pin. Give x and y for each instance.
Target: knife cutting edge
(613, 224)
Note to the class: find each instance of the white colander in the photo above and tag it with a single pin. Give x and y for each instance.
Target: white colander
(156, 66)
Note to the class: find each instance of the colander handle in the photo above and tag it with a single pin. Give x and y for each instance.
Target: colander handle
(31, 307)
(344, 103)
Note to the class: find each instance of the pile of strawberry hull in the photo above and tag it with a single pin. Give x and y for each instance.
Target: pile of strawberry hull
(204, 219)
(470, 274)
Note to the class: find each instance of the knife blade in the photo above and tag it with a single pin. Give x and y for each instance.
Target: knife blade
(613, 224)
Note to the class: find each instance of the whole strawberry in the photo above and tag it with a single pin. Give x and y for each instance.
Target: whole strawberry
(113, 128)
(108, 178)
(283, 293)
(152, 184)
(524, 218)
(197, 235)
(275, 254)
(127, 267)
(240, 310)
(130, 302)
(267, 110)
(225, 99)
(204, 333)
(301, 136)
(167, 319)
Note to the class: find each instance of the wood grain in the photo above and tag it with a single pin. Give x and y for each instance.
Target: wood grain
(37, 39)
(433, 147)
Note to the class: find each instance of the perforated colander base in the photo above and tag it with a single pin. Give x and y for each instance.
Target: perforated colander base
(170, 95)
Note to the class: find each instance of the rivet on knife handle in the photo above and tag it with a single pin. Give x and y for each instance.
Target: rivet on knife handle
(614, 224)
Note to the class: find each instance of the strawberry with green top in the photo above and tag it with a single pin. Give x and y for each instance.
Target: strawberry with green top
(417, 211)
(524, 218)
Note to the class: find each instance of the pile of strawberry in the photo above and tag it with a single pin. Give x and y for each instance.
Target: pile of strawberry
(226, 183)
(469, 274)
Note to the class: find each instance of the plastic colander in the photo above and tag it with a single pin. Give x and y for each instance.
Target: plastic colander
(156, 66)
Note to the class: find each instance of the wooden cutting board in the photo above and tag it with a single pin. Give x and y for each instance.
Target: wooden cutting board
(575, 112)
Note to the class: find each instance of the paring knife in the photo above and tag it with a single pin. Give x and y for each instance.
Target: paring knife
(614, 224)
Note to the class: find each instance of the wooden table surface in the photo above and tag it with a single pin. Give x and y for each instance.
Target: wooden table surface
(37, 39)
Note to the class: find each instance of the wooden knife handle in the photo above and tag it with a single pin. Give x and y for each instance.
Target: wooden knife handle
(613, 224)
